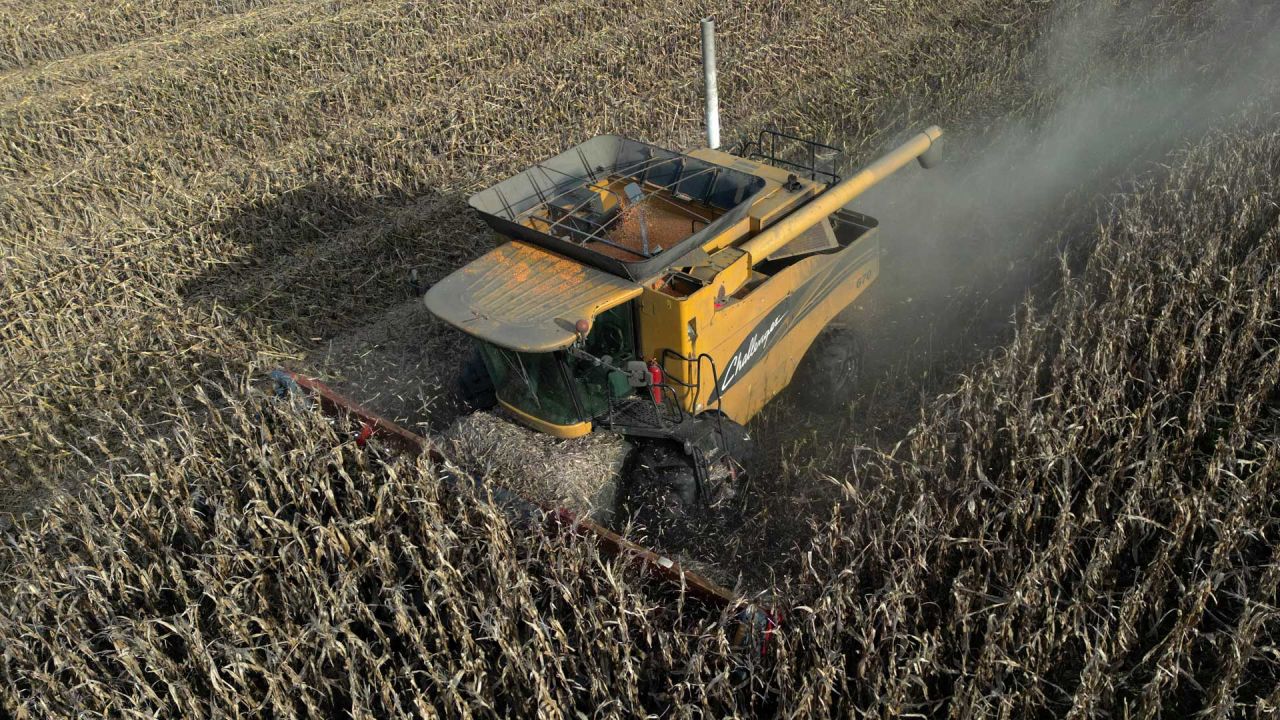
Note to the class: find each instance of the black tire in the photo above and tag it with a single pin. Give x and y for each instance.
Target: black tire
(661, 483)
(738, 443)
(474, 384)
(827, 378)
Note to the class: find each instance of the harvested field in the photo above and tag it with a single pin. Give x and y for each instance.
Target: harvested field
(556, 473)
(1057, 497)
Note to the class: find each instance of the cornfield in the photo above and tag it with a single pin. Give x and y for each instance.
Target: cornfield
(1079, 520)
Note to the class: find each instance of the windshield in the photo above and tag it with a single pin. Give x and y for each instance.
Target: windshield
(534, 382)
(613, 336)
(531, 382)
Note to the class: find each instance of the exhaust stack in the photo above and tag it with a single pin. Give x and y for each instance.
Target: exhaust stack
(709, 80)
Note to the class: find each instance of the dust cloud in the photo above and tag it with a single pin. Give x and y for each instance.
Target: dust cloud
(1114, 90)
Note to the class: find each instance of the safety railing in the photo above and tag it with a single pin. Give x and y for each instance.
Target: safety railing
(771, 146)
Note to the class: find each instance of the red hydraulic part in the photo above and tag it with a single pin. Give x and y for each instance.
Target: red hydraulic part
(366, 432)
(755, 626)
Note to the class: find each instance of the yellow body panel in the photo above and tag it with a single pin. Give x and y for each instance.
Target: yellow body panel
(775, 201)
(770, 376)
(817, 288)
(524, 298)
(564, 432)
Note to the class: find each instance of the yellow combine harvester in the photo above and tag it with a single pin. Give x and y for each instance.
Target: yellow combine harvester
(664, 296)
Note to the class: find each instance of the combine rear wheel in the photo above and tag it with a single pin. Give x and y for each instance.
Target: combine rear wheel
(827, 379)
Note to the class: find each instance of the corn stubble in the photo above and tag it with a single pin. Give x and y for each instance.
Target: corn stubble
(1091, 521)
(1085, 526)
(255, 563)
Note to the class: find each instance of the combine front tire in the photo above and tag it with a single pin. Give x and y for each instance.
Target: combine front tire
(738, 445)
(662, 482)
(660, 487)
(474, 384)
